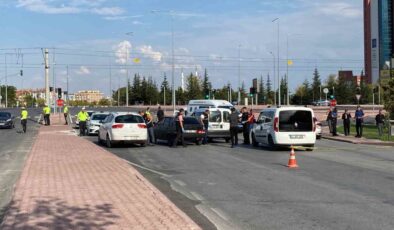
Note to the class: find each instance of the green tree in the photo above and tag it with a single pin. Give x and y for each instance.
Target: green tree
(11, 95)
(269, 93)
(104, 102)
(206, 85)
(283, 90)
(29, 101)
(165, 92)
(262, 93)
(388, 95)
(193, 87)
(316, 84)
(181, 96)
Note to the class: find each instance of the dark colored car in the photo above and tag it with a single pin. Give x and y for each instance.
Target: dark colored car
(7, 120)
(166, 130)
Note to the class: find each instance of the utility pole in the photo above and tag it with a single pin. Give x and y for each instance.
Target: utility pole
(54, 83)
(6, 83)
(110, 83)
(47, 96)
(239, 74)
(274, 80)
(127, 71)
(279, 94)
(173, 61)
(68, 92)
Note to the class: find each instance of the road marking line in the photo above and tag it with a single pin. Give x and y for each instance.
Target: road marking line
(197, 196)
(181, 183)
(145, 168)
(220, 213)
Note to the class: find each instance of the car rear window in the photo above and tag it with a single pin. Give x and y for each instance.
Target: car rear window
(99, 117)
(129, 119)
(191, 121)
(215, 116)
(295, 121)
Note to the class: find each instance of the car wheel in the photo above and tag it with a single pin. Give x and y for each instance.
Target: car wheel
(254, 141)
(108, 142)
(318, 137)
(198, 141)
(99, 139)
(271, 142)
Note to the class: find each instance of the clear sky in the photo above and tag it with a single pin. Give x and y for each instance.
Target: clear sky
(327, 34)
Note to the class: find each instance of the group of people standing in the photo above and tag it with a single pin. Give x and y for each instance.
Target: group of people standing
(333, 116)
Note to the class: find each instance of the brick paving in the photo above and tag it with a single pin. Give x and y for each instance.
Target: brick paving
(70, 183)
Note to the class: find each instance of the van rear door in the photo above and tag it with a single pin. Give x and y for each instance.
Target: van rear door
(296, 127)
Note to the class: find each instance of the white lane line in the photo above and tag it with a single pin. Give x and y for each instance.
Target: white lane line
(197, 196)
(220, 213)
(147, 169)
(181, 183)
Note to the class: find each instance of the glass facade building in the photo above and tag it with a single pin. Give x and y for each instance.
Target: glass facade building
(385, 32)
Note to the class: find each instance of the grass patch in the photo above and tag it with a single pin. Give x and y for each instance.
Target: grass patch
(369, 132)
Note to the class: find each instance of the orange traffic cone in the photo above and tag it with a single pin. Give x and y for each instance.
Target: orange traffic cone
(292, 159)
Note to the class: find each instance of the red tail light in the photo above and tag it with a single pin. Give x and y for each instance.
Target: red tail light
(276, 124)
(117, 126)
(200, 131)
(142, 126)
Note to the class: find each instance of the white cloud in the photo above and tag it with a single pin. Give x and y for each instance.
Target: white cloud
(122, 51)
(148, 51)
(42, 6)
(112, 11)
(114, 18)
(340, 9)
(83, 70)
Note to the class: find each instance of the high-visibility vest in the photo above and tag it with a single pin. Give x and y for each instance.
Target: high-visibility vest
(24, 114)
(47, 110)
(65, 109)
(82, 116)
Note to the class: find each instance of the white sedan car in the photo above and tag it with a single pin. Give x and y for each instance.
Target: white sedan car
(94, 124)
(123, 127)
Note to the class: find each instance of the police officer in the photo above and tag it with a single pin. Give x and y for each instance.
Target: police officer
(82, 117)
(359, 116)
(24, 115)
(234, 119)
(346, 116)
(334, 119)
(65, 112)
(205, 121)
(244, 120)
(179, 129)
(47, 112)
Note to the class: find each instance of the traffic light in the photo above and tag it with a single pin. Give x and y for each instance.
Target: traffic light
(332, 97)
(252, 91)
(206, 93)
(59, 93)
(21, 73)
(50, 88)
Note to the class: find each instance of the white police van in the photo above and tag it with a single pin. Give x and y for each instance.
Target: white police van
(205, 104)
(285, 126)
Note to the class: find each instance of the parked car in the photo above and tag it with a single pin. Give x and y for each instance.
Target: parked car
(94, 123)
(321, 103)
(166, 130)
(285, 126)
(218, 123)
(7, 120)
(123, 127)
(318, 129)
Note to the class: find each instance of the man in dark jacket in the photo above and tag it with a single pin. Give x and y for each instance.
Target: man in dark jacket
(234, 120)
(346, 122)
(244, 120)
(179, 129)
(380, 122)
(160, 114)
(359, 116)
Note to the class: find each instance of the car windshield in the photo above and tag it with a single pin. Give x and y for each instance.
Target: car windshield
(129, 119)
(295, 121)
(191, 121)
(5, 115)
(99, 117)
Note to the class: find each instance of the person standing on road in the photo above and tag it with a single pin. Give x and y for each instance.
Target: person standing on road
(251, 119)
(346, 122)
(380, 122)
(334, 119)
(46, 111)
(179, 129)
(359, 116)
(329, 119)
(234, 120)
(65, 112)
(244, 120)
(24, 115)
(160, 114)
(204, 118)
(149, 125)
(82, 117)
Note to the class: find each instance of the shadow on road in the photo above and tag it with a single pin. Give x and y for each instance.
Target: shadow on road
(57, 214)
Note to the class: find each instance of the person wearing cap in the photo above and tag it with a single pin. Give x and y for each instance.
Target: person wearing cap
(24, 115)
(65, 112)
(82, 117)
(179, 129)
(47, 112)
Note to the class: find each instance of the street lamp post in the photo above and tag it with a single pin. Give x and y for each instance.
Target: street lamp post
(239, 74)
(273, 56)
(6, 83)
(127, 71)
(279, 96)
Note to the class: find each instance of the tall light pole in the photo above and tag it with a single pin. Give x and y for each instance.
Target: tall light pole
(279, 96)
(274, 60)
(239, 74)
(171, 13)
(127, 70)
(46, 59)
(68, 92)
(6, 83)
(287, 67)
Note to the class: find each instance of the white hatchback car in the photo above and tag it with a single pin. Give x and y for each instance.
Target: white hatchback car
(123, 127)
(93, 125)
(285, 126)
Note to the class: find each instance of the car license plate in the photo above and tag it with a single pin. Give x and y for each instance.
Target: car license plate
(130, 137)
(297, 136)
(1, 123)
(190, 131)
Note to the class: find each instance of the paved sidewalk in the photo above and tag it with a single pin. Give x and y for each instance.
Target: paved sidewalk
(70, 183)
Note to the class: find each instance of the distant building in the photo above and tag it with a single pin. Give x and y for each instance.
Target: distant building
(89, 96)
(378, 38)
(348, 77)
(35, 93)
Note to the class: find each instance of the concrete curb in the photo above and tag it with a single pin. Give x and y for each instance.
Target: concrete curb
(359, 142)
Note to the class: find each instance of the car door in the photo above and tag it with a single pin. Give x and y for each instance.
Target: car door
(104, 126)
(226, 119)
(258, 128)
(215, 121)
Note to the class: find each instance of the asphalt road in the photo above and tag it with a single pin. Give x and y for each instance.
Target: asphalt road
(14, 148)
(338, 186)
